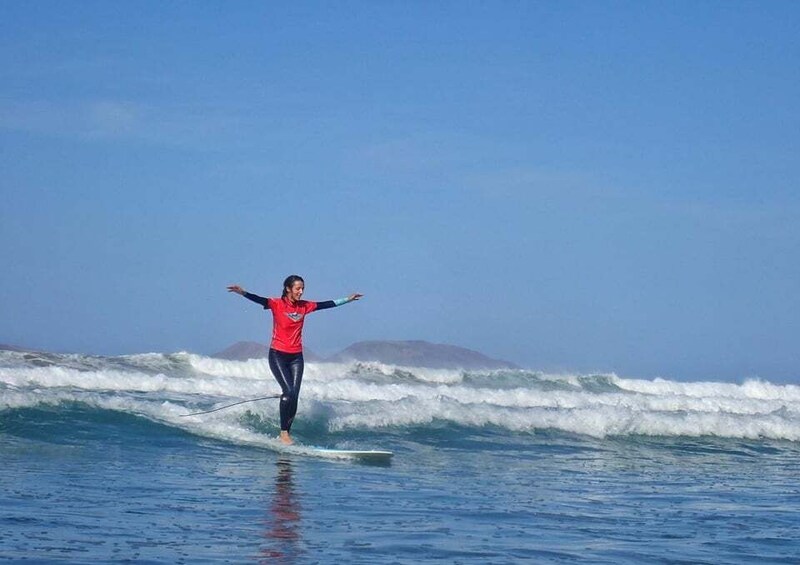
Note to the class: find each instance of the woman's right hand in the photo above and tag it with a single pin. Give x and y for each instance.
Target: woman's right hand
(236, 288)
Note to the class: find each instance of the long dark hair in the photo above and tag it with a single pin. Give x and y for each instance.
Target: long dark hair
(289, 283)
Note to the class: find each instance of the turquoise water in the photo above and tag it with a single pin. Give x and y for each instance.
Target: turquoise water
(98, 464)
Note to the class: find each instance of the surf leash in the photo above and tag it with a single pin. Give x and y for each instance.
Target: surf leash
(231, 405)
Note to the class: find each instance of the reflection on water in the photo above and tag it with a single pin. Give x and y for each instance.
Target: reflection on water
(283, 523)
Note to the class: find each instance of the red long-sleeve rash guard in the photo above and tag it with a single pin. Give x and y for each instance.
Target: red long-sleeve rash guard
(287, 320)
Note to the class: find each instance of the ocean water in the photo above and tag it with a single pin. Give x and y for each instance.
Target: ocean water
(98, 463)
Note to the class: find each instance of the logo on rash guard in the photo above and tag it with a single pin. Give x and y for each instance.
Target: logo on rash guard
(294, 316)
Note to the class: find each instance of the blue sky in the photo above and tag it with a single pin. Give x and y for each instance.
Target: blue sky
(573, 186)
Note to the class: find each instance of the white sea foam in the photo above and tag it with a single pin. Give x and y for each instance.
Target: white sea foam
(751, 389)
(373, 396)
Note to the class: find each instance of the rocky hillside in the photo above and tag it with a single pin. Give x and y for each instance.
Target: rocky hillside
(243, 350)
(420, 354)
(406, 353)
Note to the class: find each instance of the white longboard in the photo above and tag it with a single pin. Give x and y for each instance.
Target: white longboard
(375, 455)
(371, 455)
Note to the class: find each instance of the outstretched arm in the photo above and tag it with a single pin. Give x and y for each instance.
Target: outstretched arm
(338, 301)
(250, 296)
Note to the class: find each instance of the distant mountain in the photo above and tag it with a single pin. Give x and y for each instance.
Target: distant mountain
(5, 347)
(420, 354)
(406, 353)
(244, 350)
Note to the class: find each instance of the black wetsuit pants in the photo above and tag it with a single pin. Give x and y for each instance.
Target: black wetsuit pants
(288, 371)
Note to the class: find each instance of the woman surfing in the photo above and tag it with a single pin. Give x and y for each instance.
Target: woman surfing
(286, 347)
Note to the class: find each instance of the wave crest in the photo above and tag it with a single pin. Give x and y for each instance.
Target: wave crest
(374, 396)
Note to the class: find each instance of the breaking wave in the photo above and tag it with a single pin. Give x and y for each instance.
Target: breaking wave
(369, 397)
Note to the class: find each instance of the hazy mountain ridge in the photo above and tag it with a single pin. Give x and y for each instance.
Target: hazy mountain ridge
(415, 353)
(243, 350)
(6, 347)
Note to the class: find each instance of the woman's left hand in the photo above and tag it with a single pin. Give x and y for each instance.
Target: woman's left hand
(355, 296)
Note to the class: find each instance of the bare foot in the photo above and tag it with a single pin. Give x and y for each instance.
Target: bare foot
(285, 438)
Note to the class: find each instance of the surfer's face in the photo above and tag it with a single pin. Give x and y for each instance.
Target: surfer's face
(295, 292)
